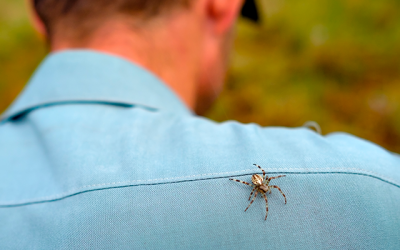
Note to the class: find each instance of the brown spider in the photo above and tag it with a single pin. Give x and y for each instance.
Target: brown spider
(261, 184)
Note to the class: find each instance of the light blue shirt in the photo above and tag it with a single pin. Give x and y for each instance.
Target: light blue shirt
(98, 153)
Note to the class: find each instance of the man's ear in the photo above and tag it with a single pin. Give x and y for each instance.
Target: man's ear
(35, 19)
(222, 14)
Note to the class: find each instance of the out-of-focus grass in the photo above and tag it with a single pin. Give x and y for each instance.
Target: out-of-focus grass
(20, 50)
(336, 62)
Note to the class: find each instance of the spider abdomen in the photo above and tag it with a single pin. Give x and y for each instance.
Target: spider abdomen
(257, 179)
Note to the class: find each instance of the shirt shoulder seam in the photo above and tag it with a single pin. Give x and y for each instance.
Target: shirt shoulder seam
(200, 177)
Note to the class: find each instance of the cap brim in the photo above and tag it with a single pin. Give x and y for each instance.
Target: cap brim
(249, 11)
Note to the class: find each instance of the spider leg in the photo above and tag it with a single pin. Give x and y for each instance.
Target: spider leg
(248, 184)
(266, 205)
(273, 177)
(284, 196)
(251, 202)
(261, 170)
(252, 191)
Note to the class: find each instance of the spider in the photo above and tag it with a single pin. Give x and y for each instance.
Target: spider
(261, 184)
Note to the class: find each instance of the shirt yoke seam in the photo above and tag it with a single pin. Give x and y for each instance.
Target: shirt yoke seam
(170, 180)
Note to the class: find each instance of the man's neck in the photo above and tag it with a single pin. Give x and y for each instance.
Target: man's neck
(172, 60)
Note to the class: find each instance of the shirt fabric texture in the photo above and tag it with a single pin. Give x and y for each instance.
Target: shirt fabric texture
(97, 153)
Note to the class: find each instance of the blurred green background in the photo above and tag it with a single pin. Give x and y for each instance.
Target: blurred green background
(336, 62)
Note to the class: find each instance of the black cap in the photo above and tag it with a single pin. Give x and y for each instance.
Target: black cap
(249, 10)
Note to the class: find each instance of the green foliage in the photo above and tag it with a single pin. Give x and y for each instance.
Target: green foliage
(20, 50)
(335, 62)
(332, 61)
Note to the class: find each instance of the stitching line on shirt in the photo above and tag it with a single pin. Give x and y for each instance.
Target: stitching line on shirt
(278, 170)
(23, 111)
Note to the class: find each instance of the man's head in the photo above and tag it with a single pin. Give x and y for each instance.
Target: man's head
(76, 20)
(185, 42)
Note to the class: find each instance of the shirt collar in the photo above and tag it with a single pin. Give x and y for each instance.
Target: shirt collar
(88, 76)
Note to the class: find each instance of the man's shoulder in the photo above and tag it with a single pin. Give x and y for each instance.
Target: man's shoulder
(132, 146)
(124, 168)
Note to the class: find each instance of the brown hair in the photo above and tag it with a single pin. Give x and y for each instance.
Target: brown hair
(78, 18)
